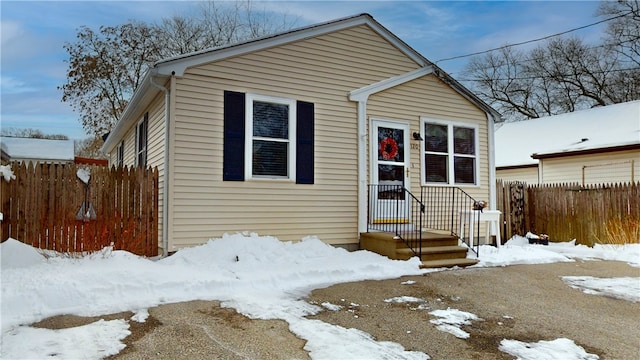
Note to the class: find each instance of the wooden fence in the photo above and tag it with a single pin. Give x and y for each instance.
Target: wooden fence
(51, 206)
(566, 211)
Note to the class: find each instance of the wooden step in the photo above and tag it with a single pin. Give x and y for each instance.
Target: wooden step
(448, 263)
(435, 240)
(434, 253)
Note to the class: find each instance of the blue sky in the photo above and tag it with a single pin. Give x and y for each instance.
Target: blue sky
(33, 34)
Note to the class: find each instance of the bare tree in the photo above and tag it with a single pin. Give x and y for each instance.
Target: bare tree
(31, 133)
(89, 148)
(564, 74)
(106, 66)
(623, 32)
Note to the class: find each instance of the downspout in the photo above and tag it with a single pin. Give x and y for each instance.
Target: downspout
(492, 164)
(362, 165)
(165, 184)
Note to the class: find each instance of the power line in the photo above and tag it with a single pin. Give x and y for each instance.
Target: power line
(546, 77)
(544, 57)
(534, 40)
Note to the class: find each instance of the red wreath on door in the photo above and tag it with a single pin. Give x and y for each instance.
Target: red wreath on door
(388, 148)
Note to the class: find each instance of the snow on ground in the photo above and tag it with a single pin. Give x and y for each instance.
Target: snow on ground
(562, 348)
(450, 321)
(518, 251)
(625, 288)
(259, 276)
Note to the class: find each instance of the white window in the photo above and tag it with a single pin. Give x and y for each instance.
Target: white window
(141, 141)
(270, 132)
(120, 154)
(450, 153)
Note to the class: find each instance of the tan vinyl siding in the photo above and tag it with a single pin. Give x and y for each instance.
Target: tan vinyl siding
(527, 174)
(321, 70)
(610, 167)
(428, 97)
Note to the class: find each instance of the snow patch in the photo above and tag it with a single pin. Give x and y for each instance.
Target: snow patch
(15, 254)
(561, 348)
(404, 299)
(7, 173)
(93, 341)
(450, 321)
(624, 288)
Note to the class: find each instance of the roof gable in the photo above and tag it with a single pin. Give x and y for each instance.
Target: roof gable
(177, 65)
(598, 128)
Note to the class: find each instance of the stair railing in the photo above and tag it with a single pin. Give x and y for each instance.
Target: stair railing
(452, 209)
(394, 209)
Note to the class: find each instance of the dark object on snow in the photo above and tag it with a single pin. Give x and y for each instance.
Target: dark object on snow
(543, 239)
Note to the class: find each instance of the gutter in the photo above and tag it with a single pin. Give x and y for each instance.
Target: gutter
(165, 184)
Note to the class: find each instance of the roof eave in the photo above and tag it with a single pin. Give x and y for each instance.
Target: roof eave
(514, 167)
(599, 150)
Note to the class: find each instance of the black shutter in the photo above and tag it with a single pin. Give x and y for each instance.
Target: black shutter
(304, 143)
(233, 150)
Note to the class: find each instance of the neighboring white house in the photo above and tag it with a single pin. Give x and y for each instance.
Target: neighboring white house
(599, 145)
(36, 150)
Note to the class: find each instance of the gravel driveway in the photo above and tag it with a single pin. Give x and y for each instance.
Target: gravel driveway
(523, 302)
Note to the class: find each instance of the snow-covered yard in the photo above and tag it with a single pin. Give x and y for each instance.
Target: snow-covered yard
(258, 276)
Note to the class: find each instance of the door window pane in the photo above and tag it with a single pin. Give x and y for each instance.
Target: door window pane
(390, 182)
(390, 144)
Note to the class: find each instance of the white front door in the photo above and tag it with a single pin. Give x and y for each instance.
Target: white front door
(390, 171)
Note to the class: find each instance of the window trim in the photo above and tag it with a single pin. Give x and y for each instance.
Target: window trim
(120, 154)
(140, 149)
(450, 153)
(292, 140)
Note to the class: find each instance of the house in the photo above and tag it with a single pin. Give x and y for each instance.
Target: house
(37, 150)
(598, 145)
(285, 135)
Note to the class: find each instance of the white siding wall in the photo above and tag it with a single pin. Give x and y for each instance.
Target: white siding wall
(620, 166)
(528, 175)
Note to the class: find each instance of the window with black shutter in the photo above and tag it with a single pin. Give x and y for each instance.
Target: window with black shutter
(267, 137)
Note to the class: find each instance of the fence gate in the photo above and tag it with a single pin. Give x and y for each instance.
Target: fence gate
(511, 198)
(74, 208)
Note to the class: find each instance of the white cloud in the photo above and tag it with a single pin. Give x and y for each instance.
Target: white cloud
(10, 31)
(10, 85)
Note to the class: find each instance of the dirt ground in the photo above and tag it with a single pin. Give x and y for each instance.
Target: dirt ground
(522, 302)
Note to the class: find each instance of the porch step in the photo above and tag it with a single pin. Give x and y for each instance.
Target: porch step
(435, 253)
(434, 264)
(439, 249)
